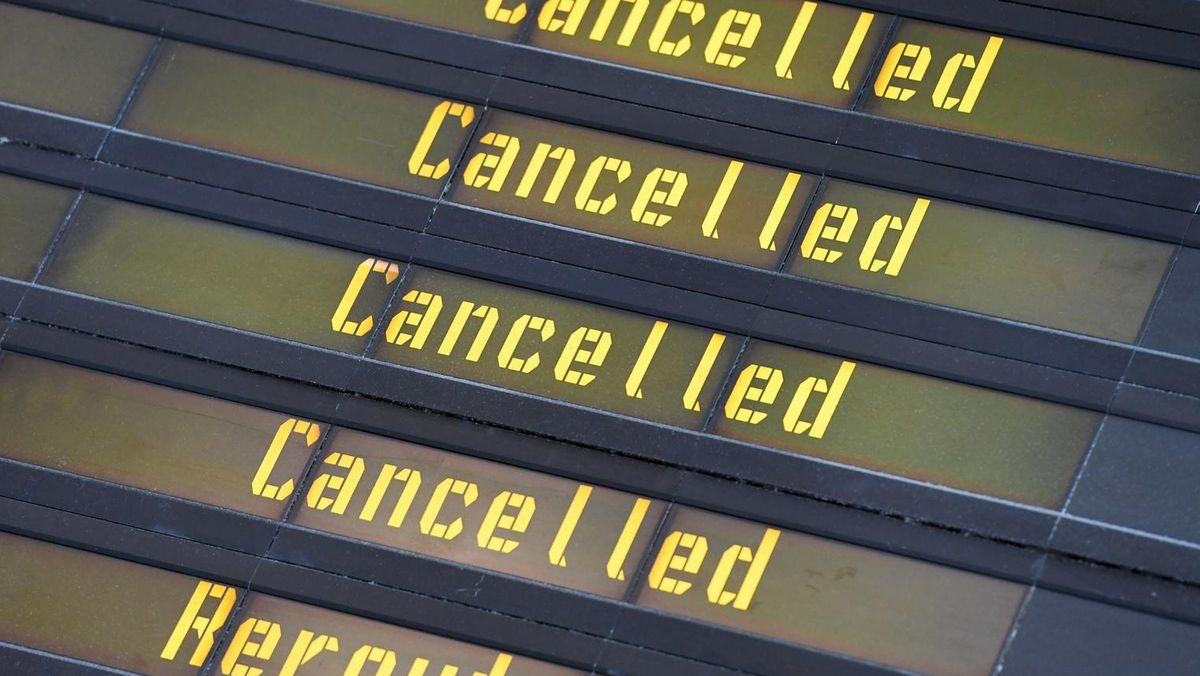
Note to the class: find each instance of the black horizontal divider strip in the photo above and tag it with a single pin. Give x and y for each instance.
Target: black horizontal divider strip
(947, 326)
(41, 164)
(136, 507)
(798, 119)
(1102, 179)
(19, 659)
(324, 227)
(385, 34)
(934, 359)
(142, 15)
(1144, 403)
(1096, 210)
(586, 250)
(26, 126)
(10, 295)
(1000, 524)
(292, 186)
(1047, 25)
(334, 57)
(342, 592)
(1020, 161)
(1170, 14)
(134, 544)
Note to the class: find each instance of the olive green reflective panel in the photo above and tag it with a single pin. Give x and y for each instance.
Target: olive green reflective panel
(67, 66)
(479, 513)
(1002, 264)
(160, 439)
(1047, 95)
(277, 636)
(30, 213)
(500, 19)
(633, 189)
(303, 118)
(563, 349)
(841, 598)
(810, 51)
(925, 428)
(211, 271)
(103, 610)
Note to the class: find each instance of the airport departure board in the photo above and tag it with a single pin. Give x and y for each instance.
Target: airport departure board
(532, 337)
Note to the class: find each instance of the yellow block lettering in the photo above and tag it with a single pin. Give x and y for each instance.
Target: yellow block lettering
(545, 329)
(386, 659)
(342, 486)
(205, 627)
(709, 227)
(418, 164)
(566, 161)
(390, 271)
(499, 667)
(674, 182)
(846, 218)
(833, 394)
(598, 344)
(260, 485)
(495, 10)
(307, 646)
(748, 25)
(659, 43)
(717, 592)
(411, 479)
(243, 646)
(424, 321)
(841, 73)
(908, 231)
(633, 384)
(634, 21)
(757, 384)
(766, 238)
(691, 396)
(616, 561)
(669, 559)
(558, 548)
(583, 197)
(892, 69)
(488, 317)
(429, 520)
(500, 164)
(549, 19)
(960, 61)
(783, 65)
(497, 518)
(420, 665)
